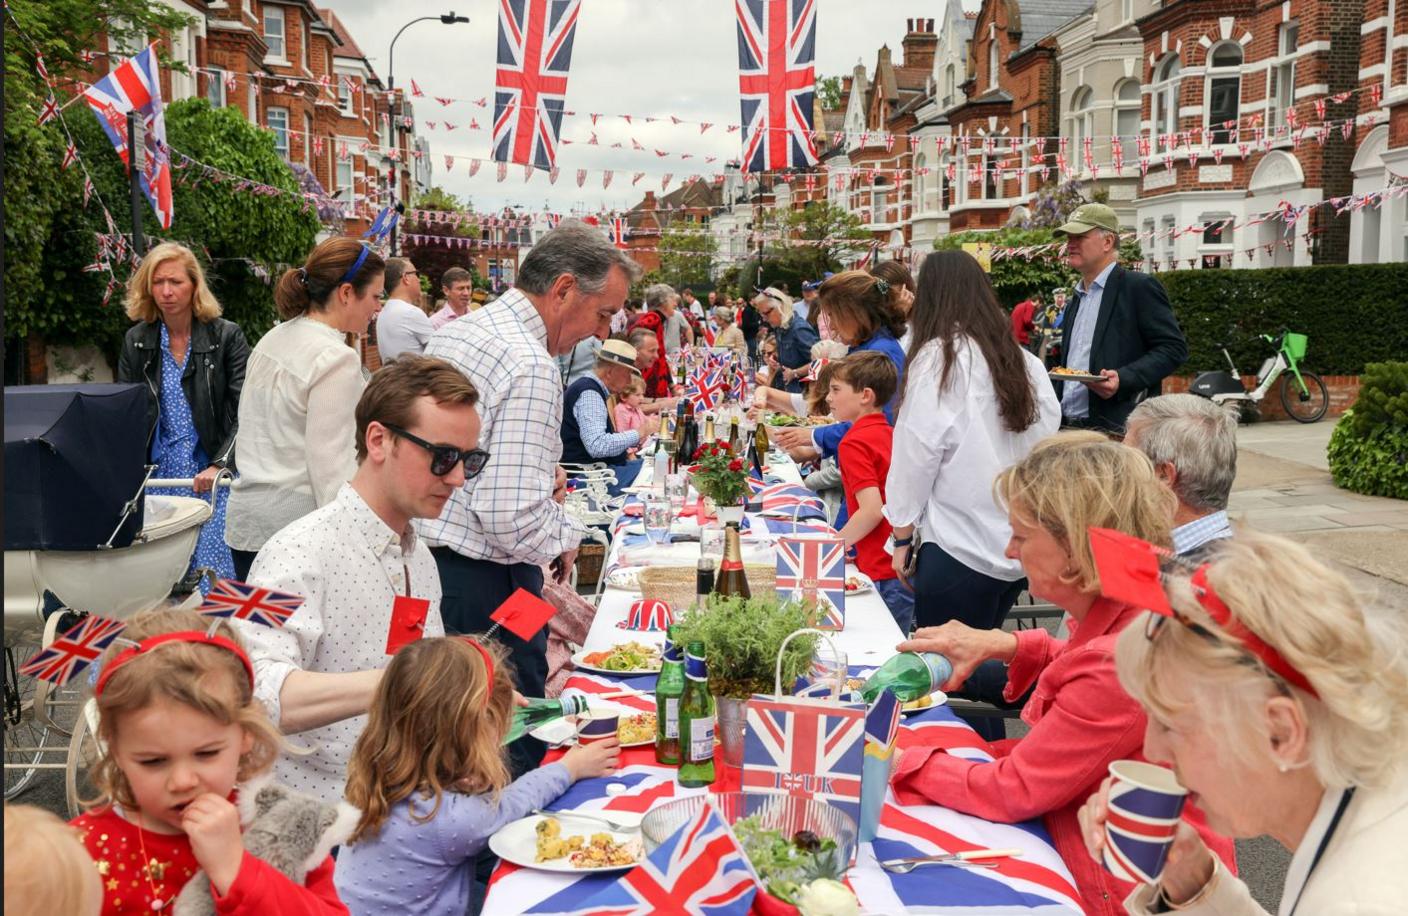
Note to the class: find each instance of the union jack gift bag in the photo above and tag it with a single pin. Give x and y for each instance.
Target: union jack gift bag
(812, 569)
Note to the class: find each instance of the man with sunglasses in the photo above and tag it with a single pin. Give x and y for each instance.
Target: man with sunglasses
(369, 583)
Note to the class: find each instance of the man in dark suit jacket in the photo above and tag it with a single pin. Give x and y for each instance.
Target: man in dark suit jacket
(1119, 326)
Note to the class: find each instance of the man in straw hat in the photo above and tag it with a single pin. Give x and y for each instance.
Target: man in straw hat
(588, 433)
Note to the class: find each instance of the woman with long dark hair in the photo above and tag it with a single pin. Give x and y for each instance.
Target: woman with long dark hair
(972, 404)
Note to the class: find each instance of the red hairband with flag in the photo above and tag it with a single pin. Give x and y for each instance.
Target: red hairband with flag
(1129, 572)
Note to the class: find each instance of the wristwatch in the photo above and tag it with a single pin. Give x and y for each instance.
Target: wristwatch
(901, 542)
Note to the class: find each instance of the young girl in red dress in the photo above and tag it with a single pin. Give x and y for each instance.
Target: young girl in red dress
(180, 731)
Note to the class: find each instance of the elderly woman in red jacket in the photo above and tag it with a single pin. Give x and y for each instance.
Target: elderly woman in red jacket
(1080, 718)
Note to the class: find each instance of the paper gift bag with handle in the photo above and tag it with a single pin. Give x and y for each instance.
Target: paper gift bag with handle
(810, 746)
(812, 569)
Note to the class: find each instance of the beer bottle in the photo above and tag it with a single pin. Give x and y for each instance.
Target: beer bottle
(732, 582)
(669, 689)
(733, 437)
(909, 675)
(678, 431)
(696, 721)
(541, 712)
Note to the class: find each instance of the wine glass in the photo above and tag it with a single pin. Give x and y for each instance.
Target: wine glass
(676, 489)
(657, 519)
(711, 543)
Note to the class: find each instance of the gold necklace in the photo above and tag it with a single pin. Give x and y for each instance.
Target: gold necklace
(149, 865)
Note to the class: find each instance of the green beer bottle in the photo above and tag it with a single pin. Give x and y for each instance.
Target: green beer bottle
(669, 689)
(542, 711)
(696, 721)
(909, 675)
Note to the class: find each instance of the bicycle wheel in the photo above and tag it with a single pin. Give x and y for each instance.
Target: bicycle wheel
(25, 738)
(1305, 406)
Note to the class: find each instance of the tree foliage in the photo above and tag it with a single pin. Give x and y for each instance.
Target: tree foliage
(1016, 277)
(432, 260)
(1368, 450)
(828, 90)
(803, 245)
(687, 257)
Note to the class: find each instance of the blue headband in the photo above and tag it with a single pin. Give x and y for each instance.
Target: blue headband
(356, 266)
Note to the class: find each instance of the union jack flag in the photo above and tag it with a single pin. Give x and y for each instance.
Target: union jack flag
(242, 601)
(616, 231)
(738, 387)
(648, 614)
(814, 369)
(800, 746)
(776, 82)
(700, 869)
(707, 388)
(530, 88)
(48, 111)
(813, 570)
(135, 85)
(73, 651)
(786, 499)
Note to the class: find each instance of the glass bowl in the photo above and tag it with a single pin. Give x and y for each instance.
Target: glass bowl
(785, 813)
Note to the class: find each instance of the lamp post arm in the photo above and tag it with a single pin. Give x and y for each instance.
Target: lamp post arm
(391, 55)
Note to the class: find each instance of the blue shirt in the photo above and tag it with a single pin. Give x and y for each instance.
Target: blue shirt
(794, 347)
(828, 438)
(1075, 399)
(1192, 535)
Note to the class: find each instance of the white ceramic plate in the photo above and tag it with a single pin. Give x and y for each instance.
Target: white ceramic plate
(581, 664)
(1075, 377)
(518, 843)
(937, 698)
(627, 578)
(865, 586)
(563, 732)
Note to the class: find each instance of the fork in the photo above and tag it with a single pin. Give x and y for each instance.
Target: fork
(582, 815)
(970, 859)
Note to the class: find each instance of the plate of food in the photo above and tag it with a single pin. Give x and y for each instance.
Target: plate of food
(636, 730)
(564, 844)
(937, 698)
(787, 419)
(1062, 374)
(858, 585)
(623, 658)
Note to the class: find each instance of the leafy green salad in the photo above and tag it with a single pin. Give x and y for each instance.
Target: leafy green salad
(785, 865)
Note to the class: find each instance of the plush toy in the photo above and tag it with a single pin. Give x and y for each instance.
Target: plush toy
(293, 833)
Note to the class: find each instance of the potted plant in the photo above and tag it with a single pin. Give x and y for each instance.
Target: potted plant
(720, 477)
(741, 638)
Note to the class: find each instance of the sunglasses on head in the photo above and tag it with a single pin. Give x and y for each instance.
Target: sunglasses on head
(443, 458)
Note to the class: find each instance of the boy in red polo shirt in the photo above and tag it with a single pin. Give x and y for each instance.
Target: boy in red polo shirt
(861, 385)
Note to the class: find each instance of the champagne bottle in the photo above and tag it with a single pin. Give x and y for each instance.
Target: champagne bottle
(696, 721)
(669, 689)
(733, 437)
(732, 582)
(709, 437)
(909, 675)
(689, 438)
(542, 711)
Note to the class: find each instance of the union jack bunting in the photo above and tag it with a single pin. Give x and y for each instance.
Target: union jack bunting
(616, 231)
(786, 499)
(776, 82)
(738, 386)
(73, 651)
(807, 747)
(48, 111)
(813, 570)
(241, 601)
(530, 87)
(135, 85)
(700, 869)
(707, 388)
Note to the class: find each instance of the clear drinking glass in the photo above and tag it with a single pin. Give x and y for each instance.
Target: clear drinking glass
(657, 519)
(676, 490)
(711, 543)
(829, 667)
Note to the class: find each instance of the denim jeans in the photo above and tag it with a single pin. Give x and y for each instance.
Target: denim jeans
(900, 600)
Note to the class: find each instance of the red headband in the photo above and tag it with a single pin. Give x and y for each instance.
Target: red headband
(1219, 611)
(151, 642)
(488, 667)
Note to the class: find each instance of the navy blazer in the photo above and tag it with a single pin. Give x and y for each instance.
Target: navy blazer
(1136, 335)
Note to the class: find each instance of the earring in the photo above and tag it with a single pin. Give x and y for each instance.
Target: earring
(1283, 767)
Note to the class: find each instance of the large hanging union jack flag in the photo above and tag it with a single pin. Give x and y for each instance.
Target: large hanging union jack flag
(777, 80)
(135, 85)
(530, 87)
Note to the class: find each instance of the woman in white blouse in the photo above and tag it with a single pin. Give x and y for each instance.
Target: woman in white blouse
(301, 387)
(973, 403)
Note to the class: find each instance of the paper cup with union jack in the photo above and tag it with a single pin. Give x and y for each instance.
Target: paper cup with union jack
(1145, 804)
(597, 726)
(650, 615)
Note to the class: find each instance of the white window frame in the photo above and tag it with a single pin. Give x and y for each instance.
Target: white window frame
(1126, 11)
(921, 182)
(878, 206)
(993, 62)
(215, 92)
(1221, 73)
(271, 115)
(308, 140)
(346, 188)
(307, 53)
(1166, 227)
(1281, 75)
(950, 86)
(272, 11)
(1165, 91)
(1082, 121)
(1125, 107)
(1225, 248)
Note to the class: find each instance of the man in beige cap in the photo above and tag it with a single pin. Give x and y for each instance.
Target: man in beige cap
(588, 433)
(1118, 326)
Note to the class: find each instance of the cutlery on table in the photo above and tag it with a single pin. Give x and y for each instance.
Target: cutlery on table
(582, 815)
(972, 858)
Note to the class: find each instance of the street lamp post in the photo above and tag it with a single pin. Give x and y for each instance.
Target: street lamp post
(448, 19)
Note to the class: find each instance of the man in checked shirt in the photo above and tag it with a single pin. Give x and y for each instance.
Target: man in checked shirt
(499, 530)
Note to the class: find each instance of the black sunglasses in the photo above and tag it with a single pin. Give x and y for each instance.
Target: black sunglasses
(443, 458)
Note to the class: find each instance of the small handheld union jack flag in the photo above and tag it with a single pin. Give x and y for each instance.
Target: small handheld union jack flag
(73, 651)
(241, 601)
(708, 388)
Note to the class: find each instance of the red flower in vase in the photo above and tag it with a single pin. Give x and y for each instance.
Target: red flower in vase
(736, 464)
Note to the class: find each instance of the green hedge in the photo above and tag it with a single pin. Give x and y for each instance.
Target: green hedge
(1368, 450)
(1353, 314)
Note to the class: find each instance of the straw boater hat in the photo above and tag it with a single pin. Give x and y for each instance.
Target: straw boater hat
(619, 353)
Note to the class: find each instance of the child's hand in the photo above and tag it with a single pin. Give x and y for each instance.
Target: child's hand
(596, 759)
(213, 826)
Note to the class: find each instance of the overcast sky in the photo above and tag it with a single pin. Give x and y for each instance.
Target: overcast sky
(637, 57)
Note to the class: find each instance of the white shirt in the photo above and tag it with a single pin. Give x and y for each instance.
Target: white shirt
(1075, 397)
(401, 328)
(349, 566)
(507, 513)
(949, 446)
(297, 429)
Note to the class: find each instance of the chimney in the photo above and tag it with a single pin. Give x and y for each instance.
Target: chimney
(920, 44)
(649, 202)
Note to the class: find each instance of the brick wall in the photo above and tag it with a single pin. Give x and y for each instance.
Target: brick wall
(1344, 391)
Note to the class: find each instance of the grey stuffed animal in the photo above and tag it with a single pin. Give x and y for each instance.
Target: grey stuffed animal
(291, 832)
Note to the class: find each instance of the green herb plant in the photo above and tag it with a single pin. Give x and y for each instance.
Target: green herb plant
(741, 637)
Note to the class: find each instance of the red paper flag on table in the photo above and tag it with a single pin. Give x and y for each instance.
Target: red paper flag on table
(1129, 569)
(523, 614)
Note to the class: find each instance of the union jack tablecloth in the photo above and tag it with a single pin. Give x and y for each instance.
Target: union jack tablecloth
(1036, 883)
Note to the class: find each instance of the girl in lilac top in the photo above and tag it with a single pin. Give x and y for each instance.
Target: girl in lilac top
(431, 779)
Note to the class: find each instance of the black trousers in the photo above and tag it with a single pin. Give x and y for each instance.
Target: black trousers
(244, 559)
(946, 589)
(472, 590)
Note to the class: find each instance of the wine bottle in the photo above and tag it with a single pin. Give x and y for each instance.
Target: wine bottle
(703, 582)
(696, 721)
(689, 439)
(909, 675)
(542, 711)
(733, 437)
(760, 446)
(732, 582)
(669, 689)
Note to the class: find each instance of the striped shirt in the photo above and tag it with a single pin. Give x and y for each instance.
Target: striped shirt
(597, 436)
(1189, 537)
(507, 513)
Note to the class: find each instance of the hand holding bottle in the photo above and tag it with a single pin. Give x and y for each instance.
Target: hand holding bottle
(598, 758)
(963, 646)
